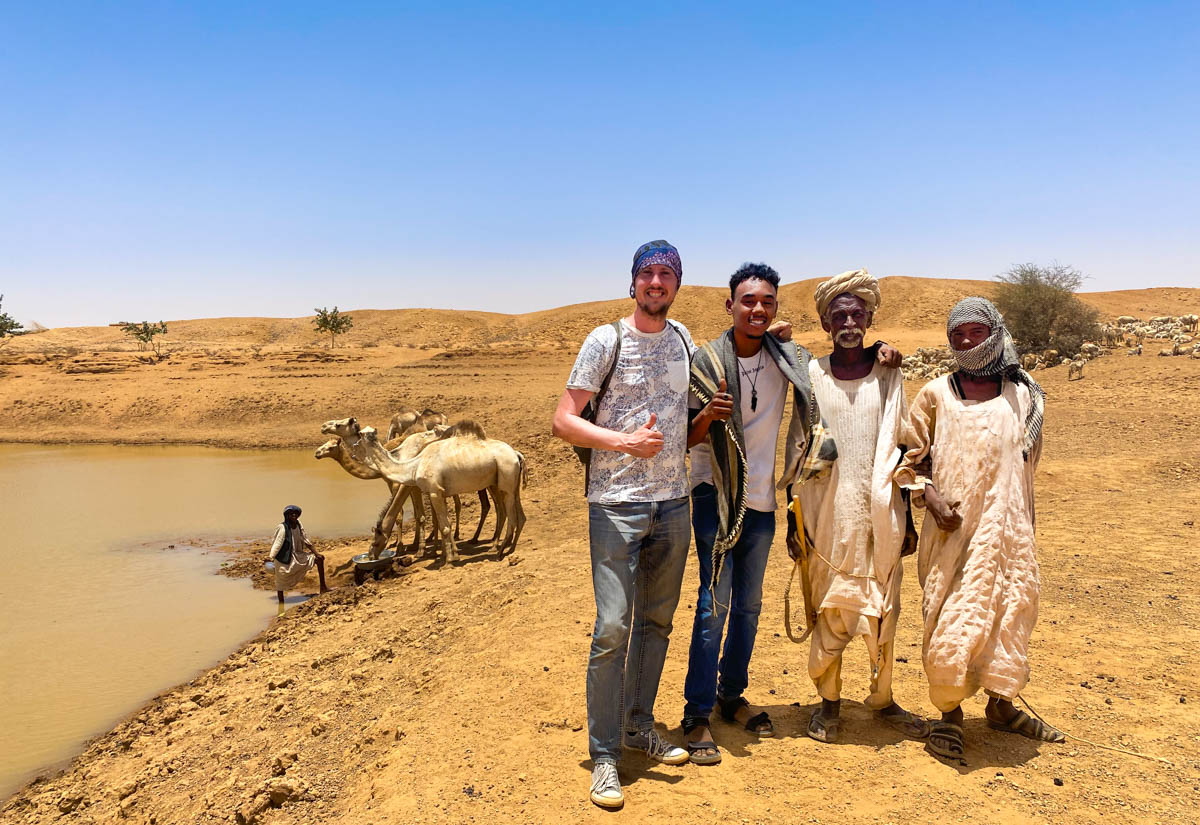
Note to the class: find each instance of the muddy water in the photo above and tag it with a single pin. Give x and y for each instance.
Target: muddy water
(96, 615)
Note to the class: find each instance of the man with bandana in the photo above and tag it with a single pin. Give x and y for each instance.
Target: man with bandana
(638, 514)
(982, 426)
(854, 519)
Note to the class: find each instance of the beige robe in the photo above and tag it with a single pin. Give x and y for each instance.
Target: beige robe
(289, 575)
(855, 520)
(980, 582)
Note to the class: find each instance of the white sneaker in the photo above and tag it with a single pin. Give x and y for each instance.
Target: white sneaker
(606, 787)
(657, 748)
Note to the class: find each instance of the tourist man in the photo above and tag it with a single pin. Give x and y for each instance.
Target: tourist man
(293, 555)
(982, 425)
(637, 509)
(855, 519)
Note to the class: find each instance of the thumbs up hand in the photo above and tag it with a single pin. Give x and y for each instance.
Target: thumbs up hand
(721, 406)
(645, 441)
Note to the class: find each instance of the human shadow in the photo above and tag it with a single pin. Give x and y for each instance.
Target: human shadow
(637, 767)
(987, 748)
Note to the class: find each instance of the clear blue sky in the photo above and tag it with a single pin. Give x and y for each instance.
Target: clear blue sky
(163, 161)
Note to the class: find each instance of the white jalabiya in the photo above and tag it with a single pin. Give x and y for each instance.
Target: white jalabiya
(980, 582)
(855, 518)
(289, 575)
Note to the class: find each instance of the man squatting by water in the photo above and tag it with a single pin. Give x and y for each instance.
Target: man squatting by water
(855, 518)
(293, 555)
(982, 426)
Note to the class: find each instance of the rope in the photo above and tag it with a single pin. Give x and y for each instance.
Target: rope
(787, 608)
(1025, 702)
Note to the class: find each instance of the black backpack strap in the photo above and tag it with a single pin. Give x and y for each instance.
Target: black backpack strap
(612, 368)
(595, 402)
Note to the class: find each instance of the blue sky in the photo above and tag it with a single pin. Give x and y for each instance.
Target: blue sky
(176, 161)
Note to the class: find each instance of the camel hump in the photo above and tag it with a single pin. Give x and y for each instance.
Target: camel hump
(467, 429)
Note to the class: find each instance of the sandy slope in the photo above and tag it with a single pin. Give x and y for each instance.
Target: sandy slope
(457, 694)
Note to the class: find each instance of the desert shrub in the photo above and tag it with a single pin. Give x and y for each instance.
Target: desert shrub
(1042, 311)
(9, 326)
(333, 322)
(145, 333)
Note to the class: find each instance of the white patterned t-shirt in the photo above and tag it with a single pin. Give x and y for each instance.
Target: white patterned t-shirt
(651, 376)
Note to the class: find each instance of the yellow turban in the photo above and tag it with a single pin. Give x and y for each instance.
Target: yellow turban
(858, 282)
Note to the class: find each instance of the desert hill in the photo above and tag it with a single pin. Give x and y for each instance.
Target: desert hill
(908, 303)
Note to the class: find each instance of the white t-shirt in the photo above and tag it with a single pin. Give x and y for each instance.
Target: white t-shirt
(761, 427)
(651, 376)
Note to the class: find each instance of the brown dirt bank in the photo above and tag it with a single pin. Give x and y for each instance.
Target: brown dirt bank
(456, 694)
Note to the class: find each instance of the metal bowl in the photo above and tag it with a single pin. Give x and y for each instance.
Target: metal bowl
(366, 564)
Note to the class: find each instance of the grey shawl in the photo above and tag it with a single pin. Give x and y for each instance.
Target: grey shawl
(717, 359)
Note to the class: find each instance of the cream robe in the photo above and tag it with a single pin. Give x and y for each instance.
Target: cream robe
(981, 581)
(855, 519)
(288, 576)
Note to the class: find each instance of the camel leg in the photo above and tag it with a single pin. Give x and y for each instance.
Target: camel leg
(502, 509)
(457, 515)
(385, 523)
(518, 521)
(501, 514)
(438, 504)
(419, 518)
(484, 506)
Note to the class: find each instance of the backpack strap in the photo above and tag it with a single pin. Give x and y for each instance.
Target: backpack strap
(594, 404)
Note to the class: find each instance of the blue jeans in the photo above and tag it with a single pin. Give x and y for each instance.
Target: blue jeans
(738, 592)
(639, 551)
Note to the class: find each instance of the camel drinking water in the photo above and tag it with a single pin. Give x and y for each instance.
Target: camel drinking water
(465, 462)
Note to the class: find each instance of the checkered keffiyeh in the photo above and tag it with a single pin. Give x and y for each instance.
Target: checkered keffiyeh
(997, 355)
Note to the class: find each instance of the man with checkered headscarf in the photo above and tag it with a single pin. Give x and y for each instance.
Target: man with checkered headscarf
(982, 426)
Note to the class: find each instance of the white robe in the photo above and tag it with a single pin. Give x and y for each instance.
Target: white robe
(980, 582)
(289, 575)
(855, 518)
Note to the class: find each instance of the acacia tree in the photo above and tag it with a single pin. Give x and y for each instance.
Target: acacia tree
(332, 322)
(1042, 311)
(9, 326)
(145, 333)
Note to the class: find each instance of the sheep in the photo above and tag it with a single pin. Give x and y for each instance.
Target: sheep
(1076, 369)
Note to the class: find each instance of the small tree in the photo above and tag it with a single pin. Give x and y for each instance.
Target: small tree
(1042, 311)
(145, 333)
(333, 322)
(9, 326)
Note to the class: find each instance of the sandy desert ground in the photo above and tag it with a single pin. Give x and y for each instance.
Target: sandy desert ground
(456, 694)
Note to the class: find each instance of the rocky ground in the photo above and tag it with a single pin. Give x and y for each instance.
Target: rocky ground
(456, 693)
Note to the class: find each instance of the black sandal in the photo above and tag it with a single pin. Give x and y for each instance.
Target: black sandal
(696, 749)
(759, 724)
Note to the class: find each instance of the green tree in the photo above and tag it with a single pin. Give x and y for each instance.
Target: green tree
(1042, 311)
(9, 326)
(145, 333)
(332, 322)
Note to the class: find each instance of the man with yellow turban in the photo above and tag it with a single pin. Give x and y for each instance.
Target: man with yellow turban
(853, 522)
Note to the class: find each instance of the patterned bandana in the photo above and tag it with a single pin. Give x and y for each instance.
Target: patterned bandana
(996, 356)
(658, 252)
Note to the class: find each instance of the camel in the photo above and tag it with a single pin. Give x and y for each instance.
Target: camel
(336, 449)
(465, 462)
(408, 422)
